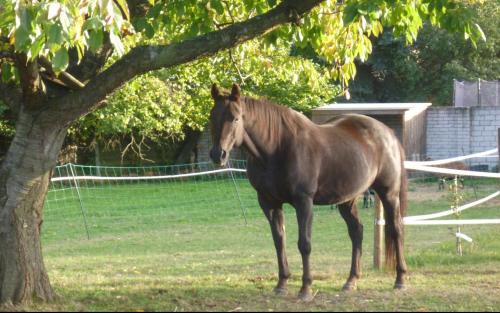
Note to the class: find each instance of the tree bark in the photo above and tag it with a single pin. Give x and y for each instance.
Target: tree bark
(24, 181)
(187, 152)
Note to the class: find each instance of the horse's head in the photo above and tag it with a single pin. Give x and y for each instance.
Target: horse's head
(226, 118)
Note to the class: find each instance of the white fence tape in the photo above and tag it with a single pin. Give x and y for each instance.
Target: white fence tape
(56, 179)
(410, 165)
(461, 158)
(447, 222)
(455, 222)
(424, 219)
(452, 211)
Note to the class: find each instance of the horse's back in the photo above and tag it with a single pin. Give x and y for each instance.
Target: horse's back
(355, 123)
(361, 132)
(357, 152)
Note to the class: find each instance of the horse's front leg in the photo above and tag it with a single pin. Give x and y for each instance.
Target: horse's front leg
(274, 213)
(303, 207)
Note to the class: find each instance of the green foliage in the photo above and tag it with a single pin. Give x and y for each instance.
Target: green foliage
(6, 127)
(52, 28)
(8, 71)
(162, 104)
(341, 33)
(424, 71)
(292, 81)
(338, 32)
(145, 107)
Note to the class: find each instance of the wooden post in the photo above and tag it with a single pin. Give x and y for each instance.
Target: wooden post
(498, 152)
(378, 243)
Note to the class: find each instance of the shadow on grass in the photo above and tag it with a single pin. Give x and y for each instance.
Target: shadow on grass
(375, 294)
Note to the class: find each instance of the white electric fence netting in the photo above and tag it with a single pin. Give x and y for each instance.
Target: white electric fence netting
(111, 199)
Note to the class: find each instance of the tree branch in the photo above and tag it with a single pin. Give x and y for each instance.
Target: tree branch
(67, 78)
(30, 81)
(92, 63)
(143, 59)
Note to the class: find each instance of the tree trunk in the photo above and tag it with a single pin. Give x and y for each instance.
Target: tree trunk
(24, 181)
(188, 153)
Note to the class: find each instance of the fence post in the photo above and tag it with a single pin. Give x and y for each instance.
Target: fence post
(498, 150)
(378, 234)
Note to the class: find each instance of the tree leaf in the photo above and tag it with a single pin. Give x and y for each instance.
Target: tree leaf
(36, 47)
(93, 23)
(60, 60)
(117, 43)
(480, 31)
(7, 72)
(271, 3)
(95, 39)
(22, 39)
(217, 6)
(53, 10)
(54, 35)
(154, 12)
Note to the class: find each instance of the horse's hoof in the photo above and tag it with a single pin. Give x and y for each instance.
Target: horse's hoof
(350, 286)
(399, 286)
(280, 291)
(306, 296)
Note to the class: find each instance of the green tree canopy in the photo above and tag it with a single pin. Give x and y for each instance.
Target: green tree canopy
(424, 71)
(169, 100)
(162, 104)
(339, 32)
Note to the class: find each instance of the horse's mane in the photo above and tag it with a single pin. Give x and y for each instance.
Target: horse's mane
(273, 119)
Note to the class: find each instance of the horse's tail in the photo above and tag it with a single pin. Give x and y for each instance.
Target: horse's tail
(390, 245)
(403, 190)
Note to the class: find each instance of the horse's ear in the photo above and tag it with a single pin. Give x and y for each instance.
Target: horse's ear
(215, 91)
(235, 92)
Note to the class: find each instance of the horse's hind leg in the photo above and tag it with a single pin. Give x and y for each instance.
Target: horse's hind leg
(394, 233)
(349, 213)
(274, 214)
(303, 206)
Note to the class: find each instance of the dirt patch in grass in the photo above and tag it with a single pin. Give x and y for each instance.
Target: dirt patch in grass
(426, 193)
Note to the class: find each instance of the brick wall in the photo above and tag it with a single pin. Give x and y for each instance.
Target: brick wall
(453, 131)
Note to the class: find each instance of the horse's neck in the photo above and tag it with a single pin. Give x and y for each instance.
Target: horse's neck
(265, 138)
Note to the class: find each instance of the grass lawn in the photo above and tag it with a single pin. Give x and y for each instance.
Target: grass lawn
(184, 246)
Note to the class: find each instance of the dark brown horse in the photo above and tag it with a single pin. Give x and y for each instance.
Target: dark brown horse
(292, 160)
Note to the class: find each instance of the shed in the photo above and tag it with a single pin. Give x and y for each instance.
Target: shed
(408, 120)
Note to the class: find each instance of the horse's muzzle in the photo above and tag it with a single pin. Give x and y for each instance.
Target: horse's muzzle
(219, 156)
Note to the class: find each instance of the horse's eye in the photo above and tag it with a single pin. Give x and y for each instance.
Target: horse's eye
(236, 119)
